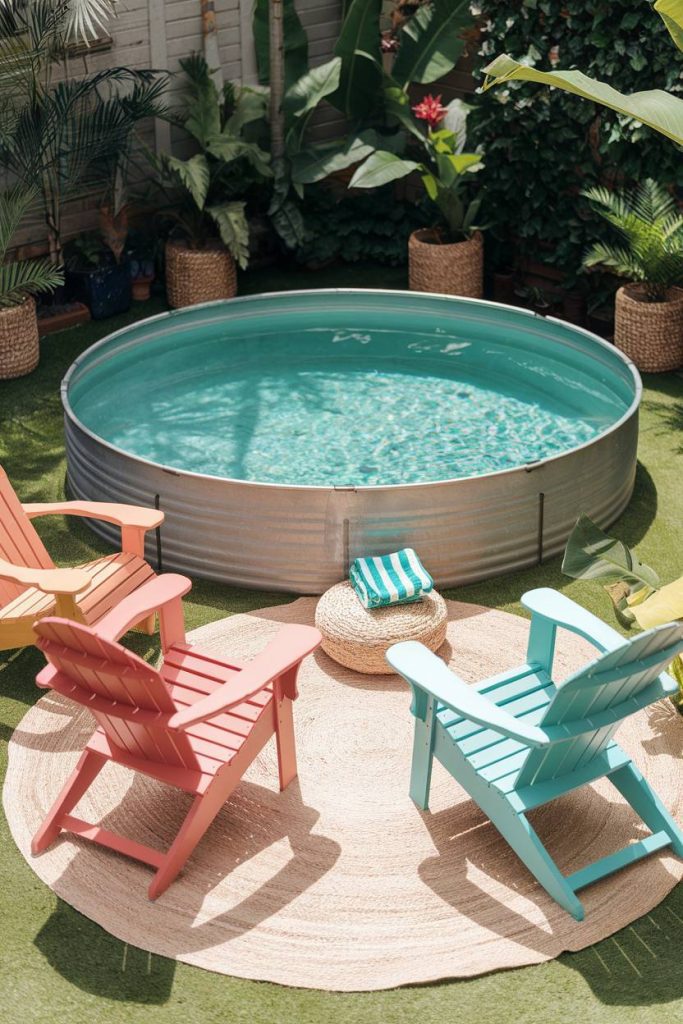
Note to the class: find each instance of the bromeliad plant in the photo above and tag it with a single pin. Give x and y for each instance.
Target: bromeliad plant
(637, 594)
(651, 229)
(445, 171)
(203, 195)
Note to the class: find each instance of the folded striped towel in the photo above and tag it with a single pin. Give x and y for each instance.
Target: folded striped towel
(390, 579)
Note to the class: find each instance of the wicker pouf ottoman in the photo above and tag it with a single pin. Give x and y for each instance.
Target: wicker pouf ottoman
(359, 639)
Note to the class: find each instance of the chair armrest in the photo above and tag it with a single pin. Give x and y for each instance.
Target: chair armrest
(567, 614)
(50, 581)
(108, 512)
(162, 593)
(426, 671)
(285, 651)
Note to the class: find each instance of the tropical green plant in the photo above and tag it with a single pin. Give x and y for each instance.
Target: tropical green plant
(650, 226)
(444, 171)
(657, 109)
(58, 132)
(544, 145)
(635, 589)
(426, 42)
(20, 278)
(202, 193)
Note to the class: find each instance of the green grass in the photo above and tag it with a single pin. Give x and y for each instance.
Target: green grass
(56, 966)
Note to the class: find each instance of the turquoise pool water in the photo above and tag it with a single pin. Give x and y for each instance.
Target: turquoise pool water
(345, 404)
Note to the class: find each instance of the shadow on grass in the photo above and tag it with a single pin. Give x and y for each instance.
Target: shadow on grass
(636, 966)
(97, 962)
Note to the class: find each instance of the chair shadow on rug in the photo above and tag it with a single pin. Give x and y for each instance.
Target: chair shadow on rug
(546, 929)
(252, 821)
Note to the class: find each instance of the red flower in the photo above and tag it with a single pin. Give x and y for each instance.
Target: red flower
(431, 111)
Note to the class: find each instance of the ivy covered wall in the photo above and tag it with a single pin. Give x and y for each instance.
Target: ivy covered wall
(543, 146)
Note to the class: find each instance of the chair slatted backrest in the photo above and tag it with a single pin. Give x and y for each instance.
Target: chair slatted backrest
(90, 667)
(19, 542)
(615, 685)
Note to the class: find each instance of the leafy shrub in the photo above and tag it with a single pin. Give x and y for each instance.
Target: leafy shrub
(544, 146)
(357, 227)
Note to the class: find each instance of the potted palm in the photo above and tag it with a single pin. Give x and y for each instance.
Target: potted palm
(203, 196)
(19, 282)
(448, 256)
(648, 325)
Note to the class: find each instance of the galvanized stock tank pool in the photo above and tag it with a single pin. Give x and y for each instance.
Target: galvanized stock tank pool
(285, 434)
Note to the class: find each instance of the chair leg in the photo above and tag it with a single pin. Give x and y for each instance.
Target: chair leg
(82, 777)
(517, 831)
(423, 758)
(201, 814)
(647, 805)
(284, 735)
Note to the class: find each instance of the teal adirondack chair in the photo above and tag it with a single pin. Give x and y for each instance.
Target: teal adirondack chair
(517, 740)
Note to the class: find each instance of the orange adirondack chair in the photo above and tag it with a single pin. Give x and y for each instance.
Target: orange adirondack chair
(30, 584)
(197, 723)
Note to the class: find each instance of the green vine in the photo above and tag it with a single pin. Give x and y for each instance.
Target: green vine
(544, 146)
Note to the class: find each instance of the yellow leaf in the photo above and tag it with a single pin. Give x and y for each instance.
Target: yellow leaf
(663, 606)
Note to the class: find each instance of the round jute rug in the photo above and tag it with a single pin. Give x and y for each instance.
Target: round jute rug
(340, 882)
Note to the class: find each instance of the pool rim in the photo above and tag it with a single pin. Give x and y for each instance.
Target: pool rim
(244, 299)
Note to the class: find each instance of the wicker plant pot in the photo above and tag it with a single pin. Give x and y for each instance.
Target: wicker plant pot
(649, 333)
(455, 268)
(198, 275)
(19, 351)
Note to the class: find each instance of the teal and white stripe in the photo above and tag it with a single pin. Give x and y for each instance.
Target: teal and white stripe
(390, 579)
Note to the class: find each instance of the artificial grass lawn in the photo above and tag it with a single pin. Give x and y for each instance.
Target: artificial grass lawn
(56, 965)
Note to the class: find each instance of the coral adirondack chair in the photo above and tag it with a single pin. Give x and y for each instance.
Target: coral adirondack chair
(517, 741)
(197, 723)
(30, 584)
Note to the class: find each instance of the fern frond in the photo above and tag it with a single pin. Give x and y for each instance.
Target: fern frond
(13, 206)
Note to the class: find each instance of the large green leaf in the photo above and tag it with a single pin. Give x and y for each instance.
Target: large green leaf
(318, 162)
(380, 168)
(203, 107)
(654, 107)
(251, 105)
(232, 225)
(288, 221)
(592, 555)
(671, 12)
(311, 88)
(194, 175)
(296, 42)
(227, 147)
(359, 48)
(430, 42)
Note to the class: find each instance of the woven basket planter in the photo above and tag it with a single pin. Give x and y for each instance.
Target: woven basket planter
(358, 638)
(198, 275)
(19, 351)
(454, 268)
(650, 333)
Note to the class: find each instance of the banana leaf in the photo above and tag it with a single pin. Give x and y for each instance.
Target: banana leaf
(671, 13)
(380, 168)
(431, 42)
(359, 48)
(318, 162)
(592, 555)
(296, 42)
(654, 107)
(664, 606)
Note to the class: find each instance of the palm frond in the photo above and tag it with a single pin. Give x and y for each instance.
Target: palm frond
(29, 277)
(86, 17)
(13, 206)
(617, 258)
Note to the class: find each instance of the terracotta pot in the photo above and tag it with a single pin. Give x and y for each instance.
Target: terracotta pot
(198, 275)
(453, 268)
(142, 287)
(19, 350)
(649, 333)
